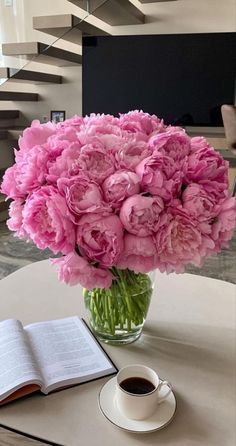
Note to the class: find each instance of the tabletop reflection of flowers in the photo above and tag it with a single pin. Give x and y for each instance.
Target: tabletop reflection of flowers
(118, 198)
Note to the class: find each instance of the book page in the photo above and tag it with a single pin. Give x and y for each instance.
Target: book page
(18, 366)
(67, 352)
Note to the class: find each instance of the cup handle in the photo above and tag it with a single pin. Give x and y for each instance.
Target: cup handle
(164, 383)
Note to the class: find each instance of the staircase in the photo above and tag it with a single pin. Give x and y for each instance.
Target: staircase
(42, 53)
(67, 26)
(27, 76)
(9, 114)
(18, 96)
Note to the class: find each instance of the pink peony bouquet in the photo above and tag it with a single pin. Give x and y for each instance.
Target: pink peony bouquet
(108, 193)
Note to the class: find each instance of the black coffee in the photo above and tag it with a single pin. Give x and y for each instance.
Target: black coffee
(137, 385)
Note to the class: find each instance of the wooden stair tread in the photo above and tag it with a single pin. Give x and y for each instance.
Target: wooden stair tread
(3, 134)
(21, 75)
(18, 96)
(9, 114)
(11, 136)
(113, 12)
(15, 132)
(42, 53)
(66, 26)
(11, 133)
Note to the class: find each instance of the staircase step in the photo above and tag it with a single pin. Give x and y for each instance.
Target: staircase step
(18, 96)
(9, 114)
(39, 52)
(10, 133)
(14, 133)
(66, 26)
(113, 12)
(3, 134)
(26, 76)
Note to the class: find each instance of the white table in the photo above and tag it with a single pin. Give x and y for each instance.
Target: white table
(189, 338)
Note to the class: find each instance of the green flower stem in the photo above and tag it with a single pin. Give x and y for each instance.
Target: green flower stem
(122, 307)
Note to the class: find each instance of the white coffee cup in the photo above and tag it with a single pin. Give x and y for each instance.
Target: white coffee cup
(139, 406)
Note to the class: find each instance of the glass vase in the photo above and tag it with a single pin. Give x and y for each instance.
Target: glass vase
(117, 314)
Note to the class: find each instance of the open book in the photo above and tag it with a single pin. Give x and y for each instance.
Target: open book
(48, 356)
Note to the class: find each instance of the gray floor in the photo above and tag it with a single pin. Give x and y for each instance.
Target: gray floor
(15, 253)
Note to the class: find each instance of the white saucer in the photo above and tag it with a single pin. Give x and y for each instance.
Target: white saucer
(163, 415)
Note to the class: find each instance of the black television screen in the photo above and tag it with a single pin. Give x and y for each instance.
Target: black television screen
(183, 78)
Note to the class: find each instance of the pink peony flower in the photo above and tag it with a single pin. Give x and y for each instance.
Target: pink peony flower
(28, 173)
(15, 221)
(36, 135)
(102, 130)
(140, 214)
(100, 238)
(82, 195)
(199, 142)
(74, 269)
(100, 119)
(198, 203)
(97, 124)
(108, 141)
(130, 153)
(215, 190)
(64, 137)
(9, 186)
(46, 220)
(172, 143)
(224, 224)
(139, 254)
(119, 186)
(207, 164)
(137, 121)
(75, 121)
(95, 161)
(32, 169)
(179, 242)
(65, 165)
(160, 176)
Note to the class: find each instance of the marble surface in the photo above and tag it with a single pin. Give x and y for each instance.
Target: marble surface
(16, 253)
